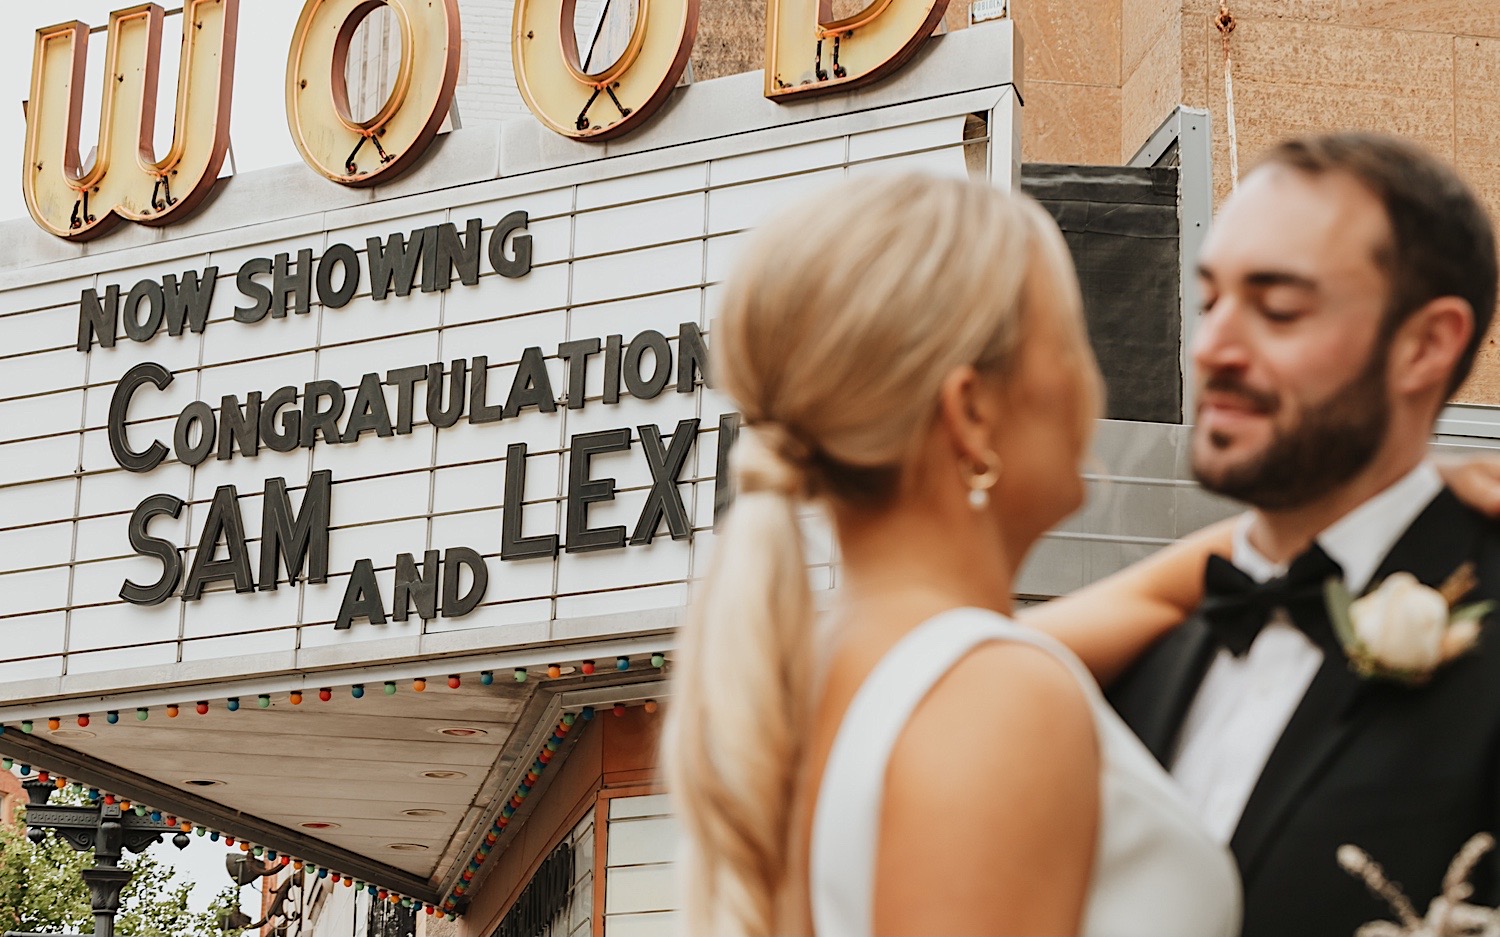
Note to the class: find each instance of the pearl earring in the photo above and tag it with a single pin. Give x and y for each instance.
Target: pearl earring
(981, 483)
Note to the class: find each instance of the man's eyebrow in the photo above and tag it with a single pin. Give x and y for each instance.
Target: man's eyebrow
(1267, 278)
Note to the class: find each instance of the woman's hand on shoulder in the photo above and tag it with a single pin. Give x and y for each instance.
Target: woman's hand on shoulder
(1475, 479)
(992, 802)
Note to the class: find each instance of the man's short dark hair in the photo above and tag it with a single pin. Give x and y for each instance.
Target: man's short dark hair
(1442, 243)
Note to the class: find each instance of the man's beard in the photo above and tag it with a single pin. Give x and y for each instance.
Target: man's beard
(1329, 445)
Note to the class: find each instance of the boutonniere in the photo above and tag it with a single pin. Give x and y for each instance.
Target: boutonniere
(1403, 630)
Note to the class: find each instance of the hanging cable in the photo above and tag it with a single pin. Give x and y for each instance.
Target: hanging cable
(1225, 23)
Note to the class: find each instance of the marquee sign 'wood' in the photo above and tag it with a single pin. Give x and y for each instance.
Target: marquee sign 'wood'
(808, 52)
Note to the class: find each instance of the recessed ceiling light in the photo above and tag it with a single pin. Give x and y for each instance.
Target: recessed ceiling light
(406, 847)
(204, 782)
(444, 775)
(318, 825)
(71, 734)
(424, 812)
(461, 732)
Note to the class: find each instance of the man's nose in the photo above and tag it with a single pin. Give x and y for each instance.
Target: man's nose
(1219, 339)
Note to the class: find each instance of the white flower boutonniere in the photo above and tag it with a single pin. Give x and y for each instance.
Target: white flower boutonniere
(1404, 631)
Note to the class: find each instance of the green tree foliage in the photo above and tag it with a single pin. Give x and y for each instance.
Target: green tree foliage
(40, 886)
(42, 891)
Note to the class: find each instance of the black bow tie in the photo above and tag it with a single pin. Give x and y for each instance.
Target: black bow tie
(1236, 607)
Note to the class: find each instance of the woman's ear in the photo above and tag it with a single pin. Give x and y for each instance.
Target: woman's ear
(969, 413)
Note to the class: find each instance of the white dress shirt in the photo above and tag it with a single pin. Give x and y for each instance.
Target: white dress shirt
(1245, 703)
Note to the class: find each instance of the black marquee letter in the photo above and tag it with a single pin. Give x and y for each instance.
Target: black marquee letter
(729, 431)
(692, 358)
(454, 562)
(520, 264)
(583, 491)
(223, 520)
(146, 293)
(412, 586)
(513, 546)
(665, 498)
(98, 320)
(338, 255)
(295, 537)
(258, 293)
(188, 451)
(361, 598)
(147, 372)
(532, 386)
(637, 383)
(147, 545)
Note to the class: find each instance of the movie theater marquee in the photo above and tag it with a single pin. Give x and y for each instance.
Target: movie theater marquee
(463, 415)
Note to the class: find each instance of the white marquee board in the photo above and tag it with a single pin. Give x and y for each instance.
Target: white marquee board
(628, 237)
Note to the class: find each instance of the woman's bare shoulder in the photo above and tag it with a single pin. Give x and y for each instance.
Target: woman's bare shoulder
(994, 779)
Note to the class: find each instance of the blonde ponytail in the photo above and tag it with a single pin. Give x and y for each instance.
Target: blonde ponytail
(837, 328)
(740, 699)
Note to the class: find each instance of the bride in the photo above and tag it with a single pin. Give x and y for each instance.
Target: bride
(911, 353)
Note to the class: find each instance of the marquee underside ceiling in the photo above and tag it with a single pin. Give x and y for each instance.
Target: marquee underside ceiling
(406, 780)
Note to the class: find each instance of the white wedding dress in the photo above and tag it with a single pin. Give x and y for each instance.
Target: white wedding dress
(1156, 873)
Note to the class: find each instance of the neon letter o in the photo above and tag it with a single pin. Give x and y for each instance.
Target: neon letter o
(361, 153)
(599, 105)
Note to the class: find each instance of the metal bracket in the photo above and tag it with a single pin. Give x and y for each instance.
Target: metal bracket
(163, 184)
(1184, 138)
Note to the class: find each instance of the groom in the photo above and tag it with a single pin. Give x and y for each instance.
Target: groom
(1347, 284)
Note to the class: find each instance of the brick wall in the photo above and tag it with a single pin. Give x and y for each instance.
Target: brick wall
(1426, 69)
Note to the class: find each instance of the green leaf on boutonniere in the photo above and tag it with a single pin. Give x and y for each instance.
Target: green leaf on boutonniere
(1336, 596)
(1474, 611)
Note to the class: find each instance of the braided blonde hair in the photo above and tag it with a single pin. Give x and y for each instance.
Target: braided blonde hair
(839, 325)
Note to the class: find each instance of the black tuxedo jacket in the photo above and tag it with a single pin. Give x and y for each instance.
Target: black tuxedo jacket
(1408, 774)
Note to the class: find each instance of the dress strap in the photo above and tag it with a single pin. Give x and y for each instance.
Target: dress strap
(846, 818)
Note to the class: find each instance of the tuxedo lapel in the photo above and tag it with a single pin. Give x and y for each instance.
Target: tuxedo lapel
(1182, 660)
(1323, 722)
(1441, 539)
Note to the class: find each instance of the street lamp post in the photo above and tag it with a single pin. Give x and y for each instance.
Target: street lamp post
(105, 829)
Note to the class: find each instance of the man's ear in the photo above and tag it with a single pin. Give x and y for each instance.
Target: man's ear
(969, 415)
(1428, 346)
